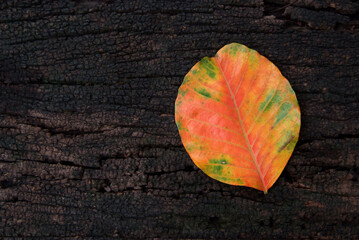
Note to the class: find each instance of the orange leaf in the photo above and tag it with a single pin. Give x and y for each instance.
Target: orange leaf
(238, 117)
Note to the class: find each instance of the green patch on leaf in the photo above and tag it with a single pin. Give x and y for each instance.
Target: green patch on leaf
(218, 161)
(235, 48)
(239, 181)
(285, 141)
(213, 169)
(185, 80)
(183, 92)
(179, 125)
(217, 169)
(211, 74)
(268, 98)
(276, 100)
(282, 112)
(203, 92)
(207, 64)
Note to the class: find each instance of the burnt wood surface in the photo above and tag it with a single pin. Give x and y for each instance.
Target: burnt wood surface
(88, 143)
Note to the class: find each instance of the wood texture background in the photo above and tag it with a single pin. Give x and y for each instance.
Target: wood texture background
(88, 143)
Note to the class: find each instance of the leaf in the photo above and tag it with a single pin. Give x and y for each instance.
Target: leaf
(238, 117)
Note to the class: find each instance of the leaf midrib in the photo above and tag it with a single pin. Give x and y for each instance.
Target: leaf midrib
(243, 129)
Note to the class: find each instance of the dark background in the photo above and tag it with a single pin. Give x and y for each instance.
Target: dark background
(88, 142)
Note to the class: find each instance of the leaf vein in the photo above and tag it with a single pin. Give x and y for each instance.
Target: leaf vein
(233, 70)
(208, 109)
(230, 154)
(291, 139)
(209, 98)
(249, 89)
(244, 131)
(224, 141)
(234, 166)
(211, 88)
(261, 112)
(259, 95)
(242, 77)
(266, 138)
(211, 124)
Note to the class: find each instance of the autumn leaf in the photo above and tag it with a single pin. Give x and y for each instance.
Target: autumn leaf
(238, 117)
